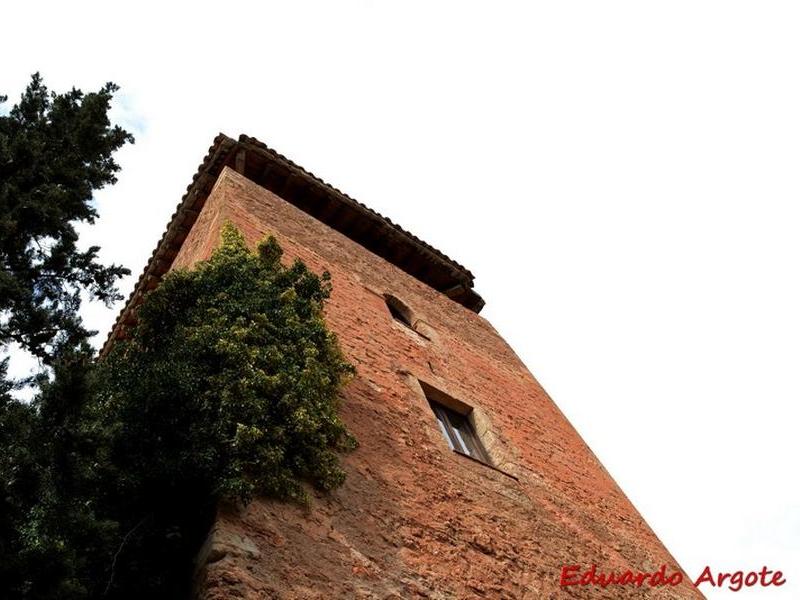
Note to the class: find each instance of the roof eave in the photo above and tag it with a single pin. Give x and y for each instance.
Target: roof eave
(264, 166)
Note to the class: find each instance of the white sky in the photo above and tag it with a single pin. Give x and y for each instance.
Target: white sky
(621, 177)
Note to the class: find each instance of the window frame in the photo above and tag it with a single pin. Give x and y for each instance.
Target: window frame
(459, 432)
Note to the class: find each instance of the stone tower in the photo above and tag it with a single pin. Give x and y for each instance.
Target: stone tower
(468, 482)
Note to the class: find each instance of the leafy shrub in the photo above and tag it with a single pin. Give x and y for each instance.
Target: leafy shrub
(227, 388)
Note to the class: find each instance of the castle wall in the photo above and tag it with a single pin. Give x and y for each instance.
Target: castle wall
(414, 519)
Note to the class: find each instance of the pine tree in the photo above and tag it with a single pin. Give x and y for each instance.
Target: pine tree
(56, 150)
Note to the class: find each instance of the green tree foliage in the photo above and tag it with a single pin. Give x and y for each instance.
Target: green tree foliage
(227, 388)
(236, 362)
(52, 534)
(55, 151)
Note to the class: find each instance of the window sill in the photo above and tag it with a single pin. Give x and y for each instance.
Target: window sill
(408, 327)
(485, 464)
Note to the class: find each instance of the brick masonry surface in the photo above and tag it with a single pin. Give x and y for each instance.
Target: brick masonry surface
(414, 519)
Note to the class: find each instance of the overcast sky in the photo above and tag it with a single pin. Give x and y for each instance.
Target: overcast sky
(621, 178)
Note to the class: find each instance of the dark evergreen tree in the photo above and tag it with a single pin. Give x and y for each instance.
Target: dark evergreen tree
(55, 151)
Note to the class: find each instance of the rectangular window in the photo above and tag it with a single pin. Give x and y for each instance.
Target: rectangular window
(458, 431)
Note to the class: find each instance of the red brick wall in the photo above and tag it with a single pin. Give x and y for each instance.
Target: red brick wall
(414, 519)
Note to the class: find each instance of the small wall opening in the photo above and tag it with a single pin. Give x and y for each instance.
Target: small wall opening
(399, 311)
(403, 314)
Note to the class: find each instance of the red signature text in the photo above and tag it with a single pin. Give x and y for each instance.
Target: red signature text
(571, 575)
(575, 575)
(739, 579)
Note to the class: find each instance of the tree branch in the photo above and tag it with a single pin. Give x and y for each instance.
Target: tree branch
(119, 550)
